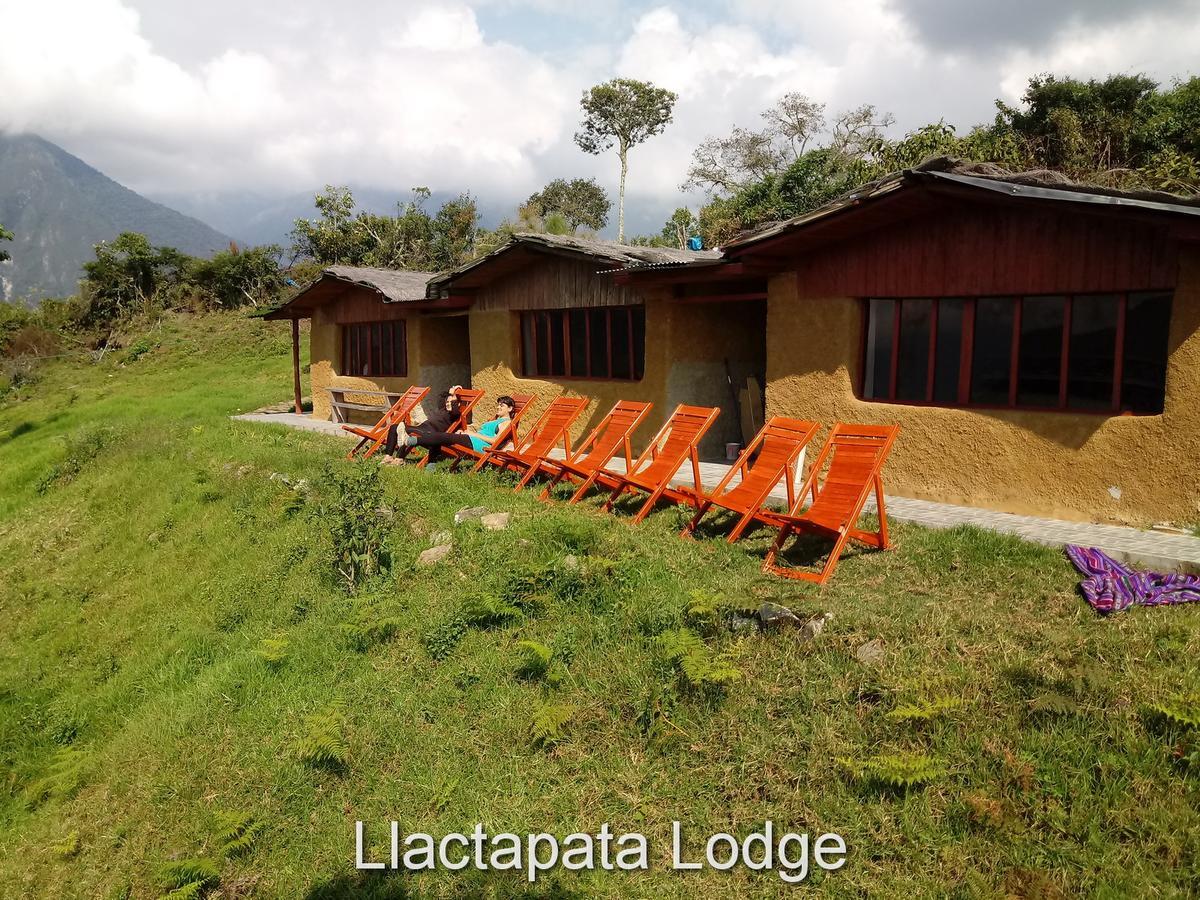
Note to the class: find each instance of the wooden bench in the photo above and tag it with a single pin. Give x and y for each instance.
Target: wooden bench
(337, 399)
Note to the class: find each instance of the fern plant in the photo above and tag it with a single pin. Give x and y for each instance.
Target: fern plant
(700, 667)
(65, 775)
(549, 724)
(188, 878)
(236, 833)
(69, 846)
(1175, 713)
(369, 629)
(1053, 703)
(486, 612)
(534, 660)
(900, 771)
(322, 745)
(273, 651)
(924, 710)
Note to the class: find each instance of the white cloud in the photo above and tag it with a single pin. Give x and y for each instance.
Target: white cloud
(286, 95)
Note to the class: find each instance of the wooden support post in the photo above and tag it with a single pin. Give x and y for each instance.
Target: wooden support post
(296, 365)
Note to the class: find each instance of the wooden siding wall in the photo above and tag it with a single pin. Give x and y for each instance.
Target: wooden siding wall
(992, 250)
(364, 305)
(555, 284)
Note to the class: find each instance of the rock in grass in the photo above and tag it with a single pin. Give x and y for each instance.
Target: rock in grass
(813, 626)
(434, 555)
(870, 653)
(440, 537)
(772, 615)
(467, 513)
(495, 521)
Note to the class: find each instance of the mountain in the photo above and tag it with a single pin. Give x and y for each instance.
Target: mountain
(58, 207)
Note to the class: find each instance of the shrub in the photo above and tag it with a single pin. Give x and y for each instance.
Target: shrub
(440, 640)
(358, 528)
(81, 448)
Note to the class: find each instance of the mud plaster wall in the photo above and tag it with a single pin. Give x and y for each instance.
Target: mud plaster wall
(437, 358)
(1050, 464)
(702, 337)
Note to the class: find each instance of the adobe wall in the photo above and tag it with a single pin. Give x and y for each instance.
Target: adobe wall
(1096, 467)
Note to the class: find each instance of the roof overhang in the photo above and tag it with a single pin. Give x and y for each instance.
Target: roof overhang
(331, 286)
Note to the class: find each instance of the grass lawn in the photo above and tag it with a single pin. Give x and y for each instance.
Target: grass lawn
(186, 675)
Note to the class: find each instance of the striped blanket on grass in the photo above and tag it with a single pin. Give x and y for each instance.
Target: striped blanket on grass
(1111, 587)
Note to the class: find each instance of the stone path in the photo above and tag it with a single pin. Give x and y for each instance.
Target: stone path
(1152, 549)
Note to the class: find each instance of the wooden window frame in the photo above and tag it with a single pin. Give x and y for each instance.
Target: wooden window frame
(543, 318)
(966, 356)
(370, 340)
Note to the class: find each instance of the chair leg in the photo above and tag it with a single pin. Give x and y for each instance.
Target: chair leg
(545, 494)
(690, 528)
(835, 556)
(529, 473)
(617, 491)
(649, 504)
(884, 543)
(742, 524)
(584, 488)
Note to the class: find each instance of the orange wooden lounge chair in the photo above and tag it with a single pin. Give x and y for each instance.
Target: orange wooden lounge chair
(554, 427)
(597, 450)
(652, 472)
(856, 454)
(398, 412)
(467, 398)
(508, 433)
(778, 447)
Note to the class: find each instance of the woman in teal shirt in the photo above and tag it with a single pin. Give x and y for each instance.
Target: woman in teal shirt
(477, 439)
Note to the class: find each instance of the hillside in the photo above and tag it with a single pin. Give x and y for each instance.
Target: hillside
(58, 207)
(188, 687)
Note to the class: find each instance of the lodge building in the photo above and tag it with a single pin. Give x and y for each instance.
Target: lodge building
(1037, 341)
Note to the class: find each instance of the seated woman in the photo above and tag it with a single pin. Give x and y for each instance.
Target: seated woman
(478, 439)
(440, 422)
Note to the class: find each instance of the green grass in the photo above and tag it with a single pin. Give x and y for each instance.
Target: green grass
(187, 686)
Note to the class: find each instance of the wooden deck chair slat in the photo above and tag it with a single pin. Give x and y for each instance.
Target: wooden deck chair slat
(551, 429)
(609, 438)
(675, 443)
(855, 454)
(523, 403)
(399, 412)
(771, 457)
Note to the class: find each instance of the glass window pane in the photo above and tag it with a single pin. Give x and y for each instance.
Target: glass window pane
(1144, 368)
(1039, 368)
(577, 325)
(598, 341)
(948, 352)
(400, 350)
(528, 351)
(621, 349)
(913, 375)
(1093, 351)
(878, 374)
(558, 362)
(543, 345)
(991, 353)
(639, 341)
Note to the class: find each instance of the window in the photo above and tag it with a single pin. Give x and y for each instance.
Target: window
(1089, 352)
(601, 342)
(375, 349)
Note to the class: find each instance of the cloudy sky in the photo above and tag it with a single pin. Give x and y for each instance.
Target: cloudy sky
(271, 97)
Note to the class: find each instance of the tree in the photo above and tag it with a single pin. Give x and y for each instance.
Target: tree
(233, 277)
(796, 119)
(5, 235)
(410, 239)
(129, 273)
(580, 202)
(730, 163)
(627, 112)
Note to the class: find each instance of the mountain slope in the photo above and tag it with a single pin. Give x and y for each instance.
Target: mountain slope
(58, 207)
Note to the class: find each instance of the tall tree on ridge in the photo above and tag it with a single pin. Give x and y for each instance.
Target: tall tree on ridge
(5, 235)
(625, 111)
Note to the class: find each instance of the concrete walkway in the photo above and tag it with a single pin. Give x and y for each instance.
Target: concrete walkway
(1152, 549)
